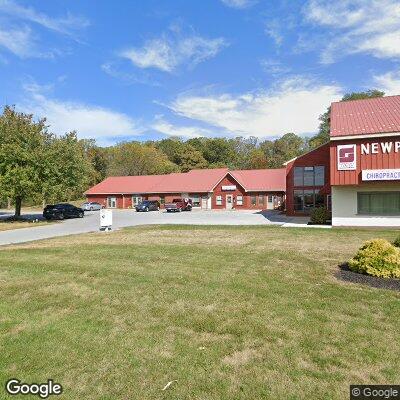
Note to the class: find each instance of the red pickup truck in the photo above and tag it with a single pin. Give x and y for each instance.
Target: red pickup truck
(179, 205)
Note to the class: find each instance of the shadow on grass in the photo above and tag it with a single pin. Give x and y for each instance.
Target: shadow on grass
(345, 274)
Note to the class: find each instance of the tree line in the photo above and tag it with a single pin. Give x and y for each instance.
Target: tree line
(37, 166)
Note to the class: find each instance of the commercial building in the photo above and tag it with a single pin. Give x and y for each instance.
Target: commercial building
(208, 189)
(356, 174)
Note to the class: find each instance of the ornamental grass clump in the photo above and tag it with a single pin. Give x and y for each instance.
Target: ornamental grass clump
(377, 257)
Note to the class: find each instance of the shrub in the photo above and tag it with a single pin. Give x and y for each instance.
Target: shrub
(397, 241)
(319, 215)
(377, 257)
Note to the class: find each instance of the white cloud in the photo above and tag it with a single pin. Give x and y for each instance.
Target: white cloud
(358, 26)
(167, 128)
(18, 42)
(65, 25)
(238, 3)
(389, 82)
(293, 106)
(274, 67)
(18, 36)
(273, 30)
(166, 54)
(88, 120)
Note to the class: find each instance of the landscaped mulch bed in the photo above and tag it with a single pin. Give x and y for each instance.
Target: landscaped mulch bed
(345, 274)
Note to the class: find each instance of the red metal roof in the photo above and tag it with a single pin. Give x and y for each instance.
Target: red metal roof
(261, 179)
(195, 181)
(368, 116)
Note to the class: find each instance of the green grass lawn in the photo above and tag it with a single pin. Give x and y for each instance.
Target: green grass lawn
(227, 312)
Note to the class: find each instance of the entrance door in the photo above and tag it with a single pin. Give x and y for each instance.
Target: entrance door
(204, 202)
(229, 201)
(112, 202)
(271, 201)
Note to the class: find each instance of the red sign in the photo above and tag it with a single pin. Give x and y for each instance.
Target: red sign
(346, 157)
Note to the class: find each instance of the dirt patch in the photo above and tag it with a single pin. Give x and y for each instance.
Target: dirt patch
(343, 273)
(242, 357)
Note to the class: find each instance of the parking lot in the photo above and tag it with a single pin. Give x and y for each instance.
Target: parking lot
(124, 218)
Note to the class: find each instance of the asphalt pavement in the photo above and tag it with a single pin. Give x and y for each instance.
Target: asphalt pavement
(124, 218)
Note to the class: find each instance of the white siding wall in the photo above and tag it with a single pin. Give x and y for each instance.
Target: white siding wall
(344, 206)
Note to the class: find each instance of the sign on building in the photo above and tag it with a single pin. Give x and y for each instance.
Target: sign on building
(380, 175)
(346, 157)
(229, 187)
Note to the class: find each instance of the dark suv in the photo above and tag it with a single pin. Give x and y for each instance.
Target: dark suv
(62, 210)
(148, 205)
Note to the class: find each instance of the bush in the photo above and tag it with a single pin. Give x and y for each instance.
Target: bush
(377, 257)
(397, 241)
(319, 215)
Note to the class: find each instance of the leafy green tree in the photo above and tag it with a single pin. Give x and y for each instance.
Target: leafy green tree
(189, 158)
(36, 164)
(283, 149)
(68, 170)
(98, 158)
(134, 158)
(324, 127)
(257, 159)
(23, 154)
(171, 147)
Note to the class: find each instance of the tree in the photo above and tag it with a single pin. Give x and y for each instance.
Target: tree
(23, 145)
(189, 158)
(257, 160)
(98, 157)
(323, 134)
(283, 149)
(35, 163)
(68, 170)
(134, 158)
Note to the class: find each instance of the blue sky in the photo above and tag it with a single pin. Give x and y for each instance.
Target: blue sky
(151, 69)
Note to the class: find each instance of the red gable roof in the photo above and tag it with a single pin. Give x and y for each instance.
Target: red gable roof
(126, 184)
(261, 179)
(362, 117)
(195, 181)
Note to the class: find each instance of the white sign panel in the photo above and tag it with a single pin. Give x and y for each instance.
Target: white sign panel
(380, 175)
(232, 187)
(105, 218)
(346, 157)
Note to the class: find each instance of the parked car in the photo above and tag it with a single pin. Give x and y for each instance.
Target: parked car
(148, 205)
(179, 205)
(62, 211)
(91, 206)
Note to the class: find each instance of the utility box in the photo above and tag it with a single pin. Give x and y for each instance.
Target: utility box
(105, 220)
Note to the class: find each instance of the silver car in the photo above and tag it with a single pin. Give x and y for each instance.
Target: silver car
(91, 206)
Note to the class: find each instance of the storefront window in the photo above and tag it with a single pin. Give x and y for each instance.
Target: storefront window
(219, 200)
(239, 200)
(253, 200)
(162, 199)
(379, 203)
(298, 176)
(305, 200)
(136, 199)
(298, 200)
(196, 200)
(319, 174)
(261, 200)
(309, 176)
